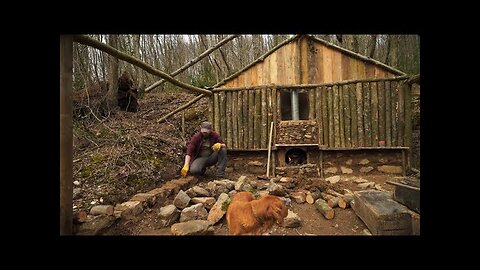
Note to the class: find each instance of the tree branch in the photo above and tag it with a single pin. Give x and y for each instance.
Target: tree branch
(134, 61)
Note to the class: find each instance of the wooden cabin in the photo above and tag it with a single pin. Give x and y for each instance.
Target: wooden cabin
(319, 97)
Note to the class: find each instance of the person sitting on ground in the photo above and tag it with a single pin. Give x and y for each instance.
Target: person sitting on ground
(206, 148)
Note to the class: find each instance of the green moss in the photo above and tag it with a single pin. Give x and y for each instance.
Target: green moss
(86, 171)
(226, 204)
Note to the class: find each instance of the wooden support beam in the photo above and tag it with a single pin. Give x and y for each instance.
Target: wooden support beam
(192, 62)
(134, 61)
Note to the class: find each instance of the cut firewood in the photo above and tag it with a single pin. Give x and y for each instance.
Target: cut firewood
(102, 210)
(312, 197)
(333, 202)
(79, 217)
(324, 209)
(333, 192)
(326, 196)
(345, 201)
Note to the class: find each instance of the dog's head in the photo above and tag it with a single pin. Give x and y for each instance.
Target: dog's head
(270, 208)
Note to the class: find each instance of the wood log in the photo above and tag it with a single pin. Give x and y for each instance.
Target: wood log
(358, 95)
(311, 197)
(234, 121)
(276, 113)
(246, 117)
(240, 119)
(341, 116)
(216, 112)
(326, 196)
(101, 210)
(311, 103)
(269, 148)
(408, 125)
(318, 114)
(374, 103)
(331, 133)
(345, 200)
(333, 202)
(333, 192)
(263, 120)
(336, 117)
(325, 121)
(401, 113)
(223, 117)
(228, 120)
(394, 110)
(251, 113)
(258, 115)
(354, 117)
(388, 115)
(367, 114)
(346, 115)
(79, 217)
(324, 209)
(381, 111)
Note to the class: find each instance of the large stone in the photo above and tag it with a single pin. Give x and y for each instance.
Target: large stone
(218, 209)
(366, 169)
(181, 200)
(360, 180)
(207, 202)
(192, 227)
(292, 220)
(194, 212)
(229, 184)
(168, 215)
(96, 225)
(242, 180)
(331, 170)
(255, 163)
(346, 170)
(276, 189)
(333, 179)
(200, 192)
(364, 161)
(366, 185)
(146, 198)
(390, 169)
(128, 209)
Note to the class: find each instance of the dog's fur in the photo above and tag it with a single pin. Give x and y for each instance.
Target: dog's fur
(247, 216)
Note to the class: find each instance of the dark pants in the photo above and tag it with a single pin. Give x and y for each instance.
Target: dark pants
(219, 158)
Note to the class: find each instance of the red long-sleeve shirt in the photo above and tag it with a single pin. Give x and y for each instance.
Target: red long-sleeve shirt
(195, 144)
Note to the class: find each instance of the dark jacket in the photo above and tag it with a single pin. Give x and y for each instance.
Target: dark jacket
(195, 144)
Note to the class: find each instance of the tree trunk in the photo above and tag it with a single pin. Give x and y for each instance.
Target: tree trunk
(312, 197)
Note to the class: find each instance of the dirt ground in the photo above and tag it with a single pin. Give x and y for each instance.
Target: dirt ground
(345, 221)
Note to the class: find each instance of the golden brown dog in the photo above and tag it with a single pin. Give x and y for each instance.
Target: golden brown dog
(247, 216)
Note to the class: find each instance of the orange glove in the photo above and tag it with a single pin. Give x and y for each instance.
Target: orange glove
(216, 147)
(184, 170)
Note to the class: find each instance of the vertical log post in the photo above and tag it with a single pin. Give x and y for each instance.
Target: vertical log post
(66, 135)
(408, 123)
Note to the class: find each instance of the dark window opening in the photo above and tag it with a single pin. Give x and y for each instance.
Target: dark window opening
(296, 156)
(286, 105)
